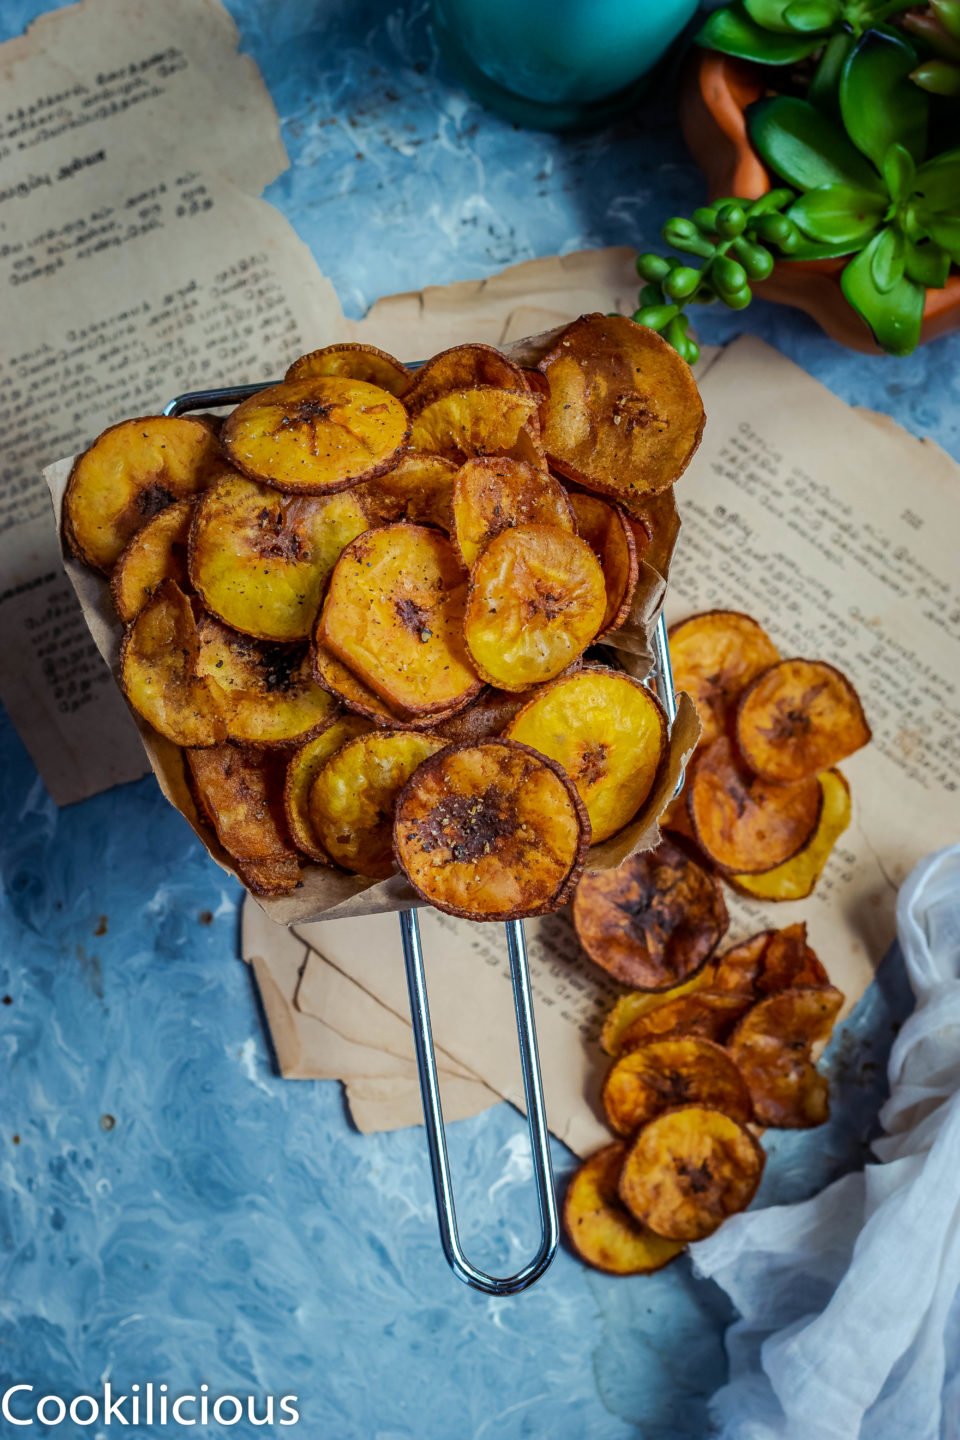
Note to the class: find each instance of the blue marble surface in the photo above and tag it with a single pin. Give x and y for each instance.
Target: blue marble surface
(169, 1209)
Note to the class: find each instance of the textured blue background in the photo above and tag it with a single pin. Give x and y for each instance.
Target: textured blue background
(169, 1209)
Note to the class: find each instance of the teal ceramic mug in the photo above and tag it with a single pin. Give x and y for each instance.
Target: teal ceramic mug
(557, 63)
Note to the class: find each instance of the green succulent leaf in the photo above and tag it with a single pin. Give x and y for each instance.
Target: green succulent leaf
(806, 249)
(888, 259)
(804, 147)
(879, 103)
(894, 316)
(938, 184)
(838, 214)
(938, 77)
(948, 13)
(823, 90)
(769, 14)
(812, 17)
(927, 264)
(898, 171)
(945, 231)
(732, 31)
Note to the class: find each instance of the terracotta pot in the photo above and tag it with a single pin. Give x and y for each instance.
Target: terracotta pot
(715, 93)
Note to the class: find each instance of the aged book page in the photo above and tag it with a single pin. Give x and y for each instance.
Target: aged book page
(136, 263)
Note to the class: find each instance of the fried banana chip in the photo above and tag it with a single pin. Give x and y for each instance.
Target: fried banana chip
(339, 680)
(797, 878)
(132, 472)
(464, 367)
(354, 362)
(624, 415)
(491, 832)
(637, 1003)
(537, 599)
(682, 1070)
(158, 660)
(742, 823)
(267, 692)
(772, 1045)
(798, 718)
(394, 614)
(483, 719)
(353, 795)
(493, 493)
(788, 961)
(155, 553)
(709, 1014)
(739, 968)
(302, 769)
(313, 437)
(608, 731)
(715, 656)
(688, 1170)
(482, 421)
(601, 1230)
(607, 531)
(240, 791)
(418, 489)
(653, 921)
(260, 560)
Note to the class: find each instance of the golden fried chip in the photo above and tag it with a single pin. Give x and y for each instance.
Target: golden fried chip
(772, 1045)
(637, 1003)
(493, 493)
(624, 415)
(738, 969)
(394, 614)
(715, 656)
(464, 367)
(313, 437)
(158, 675)
(239, 790)
(339, 680)
(353, 795)
(304, 765)
(261, 560)
(156, 552)
(798, 718)
(491, 831)
(354, 362)
(608, 731)
(418, 489)
(537, 599)
(601, 1230)
(710, 1014)
(681, 1070)
(267, 692)
(607, 531)
(745, 824)
(132, 472)
(484, 718)
(796, 878)
(652, 921)
(688, 1170)
(464, 423)
(788, 961)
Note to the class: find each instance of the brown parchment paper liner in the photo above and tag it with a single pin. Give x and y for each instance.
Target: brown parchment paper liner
(325, 893)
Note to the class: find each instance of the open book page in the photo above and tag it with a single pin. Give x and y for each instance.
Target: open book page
(136, 263)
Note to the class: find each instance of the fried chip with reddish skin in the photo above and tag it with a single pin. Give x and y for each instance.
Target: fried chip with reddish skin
(715, 655)
(745, 824)
(463, 367)
(418, 489)
(266, 693)
(239, 789)
(493, 493)
(710, 1014)
(355, 362)
(484, 718)
(352, 797)
(155, 553)
(653, 921)
(482, 421)
(394, 614)
(738, 969)
(797, 719)
(128, 475)
(314, 437)
(788, 961)
(536, 601)
(158, 675)
(680, 1070)
(608, 731)
(261, 560)
(624, 415)
(304, 765)
(772, 1045)
(608, 532)
(797, 877)
(637, 1003)
(602, 1232)
(492, 831)
(339, 680)
(689, 1169)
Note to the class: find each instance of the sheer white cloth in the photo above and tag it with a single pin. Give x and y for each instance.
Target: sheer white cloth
(849, 1323)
